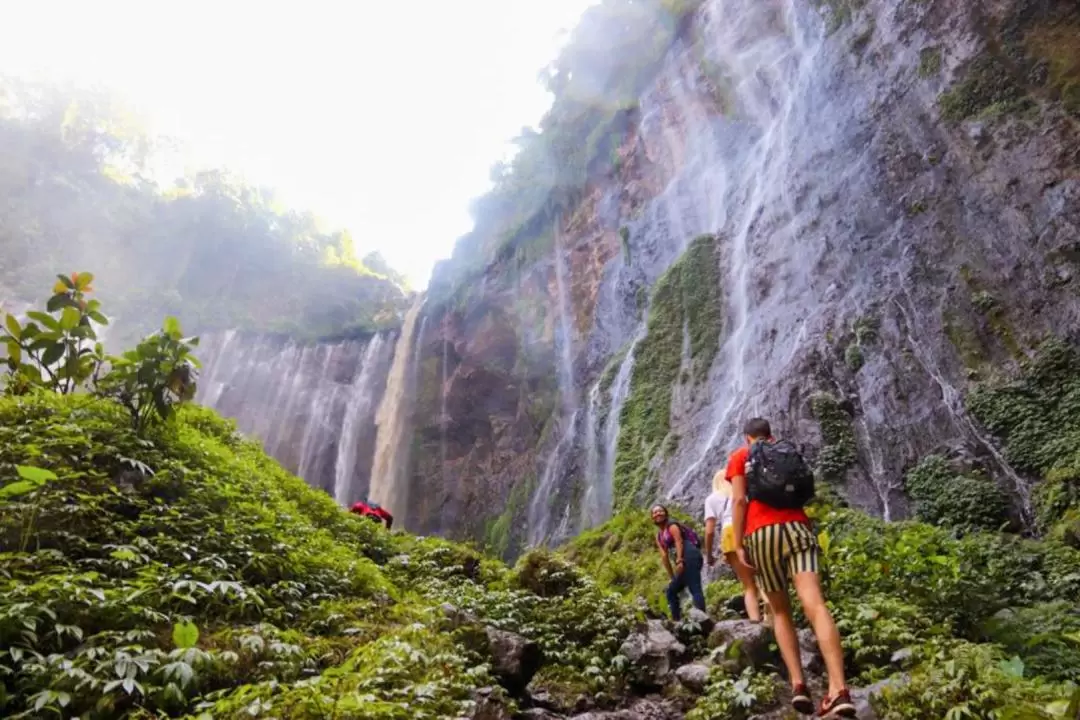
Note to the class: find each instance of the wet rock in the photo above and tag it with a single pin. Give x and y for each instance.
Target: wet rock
(901, 657)
(514, 659)
(545, 700)
(810, 653)
(458, 617)
(693, 677)
(738, 644)
(861, 696)
(643, 709)
(653, 652)
(702, 620)
(490, 705)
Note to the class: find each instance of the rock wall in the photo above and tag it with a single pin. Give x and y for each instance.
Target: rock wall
(891, 192)
(311, 406)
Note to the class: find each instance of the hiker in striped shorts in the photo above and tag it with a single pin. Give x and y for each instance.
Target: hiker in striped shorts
(770, 484)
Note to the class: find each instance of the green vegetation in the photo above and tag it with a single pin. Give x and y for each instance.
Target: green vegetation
(853, 356)
(839, 451)
(839, 12)
(987, 88)
(734, 698)
(686, 296)
(186, 571)
(1055, 45)
(965, 502)
(1037, 415)
(500, 539)
(210, 250)
(1033, 56)
(929, 62)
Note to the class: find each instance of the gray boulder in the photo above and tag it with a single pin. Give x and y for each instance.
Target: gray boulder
(693, 677)
(514, 659)
(738, 644)
(653, 653)
(810, 653)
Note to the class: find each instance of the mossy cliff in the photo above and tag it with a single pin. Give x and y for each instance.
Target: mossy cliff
(685, 309)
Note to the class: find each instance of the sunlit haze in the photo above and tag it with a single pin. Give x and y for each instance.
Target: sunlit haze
(380, 116)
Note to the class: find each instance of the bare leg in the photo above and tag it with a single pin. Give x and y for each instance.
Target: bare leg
(808, 587)
(784, 630)
(746, 577)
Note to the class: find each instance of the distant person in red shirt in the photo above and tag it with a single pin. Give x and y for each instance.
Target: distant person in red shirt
(373, 511)
(770, 484)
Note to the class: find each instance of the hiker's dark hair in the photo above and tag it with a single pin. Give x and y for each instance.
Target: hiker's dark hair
(662, 507)
(757, 428)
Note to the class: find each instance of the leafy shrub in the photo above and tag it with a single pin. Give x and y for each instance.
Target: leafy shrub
(959, 680)
(152, 379)
(874, 627)
(733, 698)
(1046, 636)
(964, 503)
(55, 349)
(1037, 415)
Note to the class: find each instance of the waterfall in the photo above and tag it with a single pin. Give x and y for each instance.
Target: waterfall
(309, 405)
(592, 506)
(388, 480)
(362, 395)
(773, 53)
(444, 416)
(555, 466)
(603, 439)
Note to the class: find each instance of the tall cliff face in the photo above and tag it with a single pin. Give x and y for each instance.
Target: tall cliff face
(311, 406)
(837, 217)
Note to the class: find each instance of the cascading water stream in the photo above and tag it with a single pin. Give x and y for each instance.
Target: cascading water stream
(388, 481)
(554, 468)
(444, 416)
(311, 406)
(772, 54)
(603, 438)
(361, 401)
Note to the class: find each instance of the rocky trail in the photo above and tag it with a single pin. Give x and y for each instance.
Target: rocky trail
(670, 665)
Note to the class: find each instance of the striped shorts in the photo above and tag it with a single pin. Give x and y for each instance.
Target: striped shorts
(780, 551)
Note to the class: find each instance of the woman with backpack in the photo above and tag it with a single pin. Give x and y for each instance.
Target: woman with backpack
(673, 538)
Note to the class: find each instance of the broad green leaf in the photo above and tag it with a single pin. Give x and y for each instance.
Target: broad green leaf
(172, 327)
(1013, 667)
(185, 634)
(14, 352)
(52, 353)
(83, 280)
(123, 554)
(59, 288)
(35, 474)
(69, 319)
(44, 318)
(98, 317)
(17, 488)
(13, 326)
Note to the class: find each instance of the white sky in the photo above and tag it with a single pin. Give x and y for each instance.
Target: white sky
(383, 116)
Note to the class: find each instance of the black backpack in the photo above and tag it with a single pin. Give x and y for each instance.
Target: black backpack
(777, 475)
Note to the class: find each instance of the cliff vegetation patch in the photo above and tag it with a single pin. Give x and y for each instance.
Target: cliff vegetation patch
(687, 295)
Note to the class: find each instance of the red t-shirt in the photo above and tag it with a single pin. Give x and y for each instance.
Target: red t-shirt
(758, 514)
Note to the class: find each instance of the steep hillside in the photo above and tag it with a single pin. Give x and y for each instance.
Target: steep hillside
(847, 217)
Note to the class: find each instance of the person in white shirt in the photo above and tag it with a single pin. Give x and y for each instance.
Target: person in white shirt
(718, 508)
